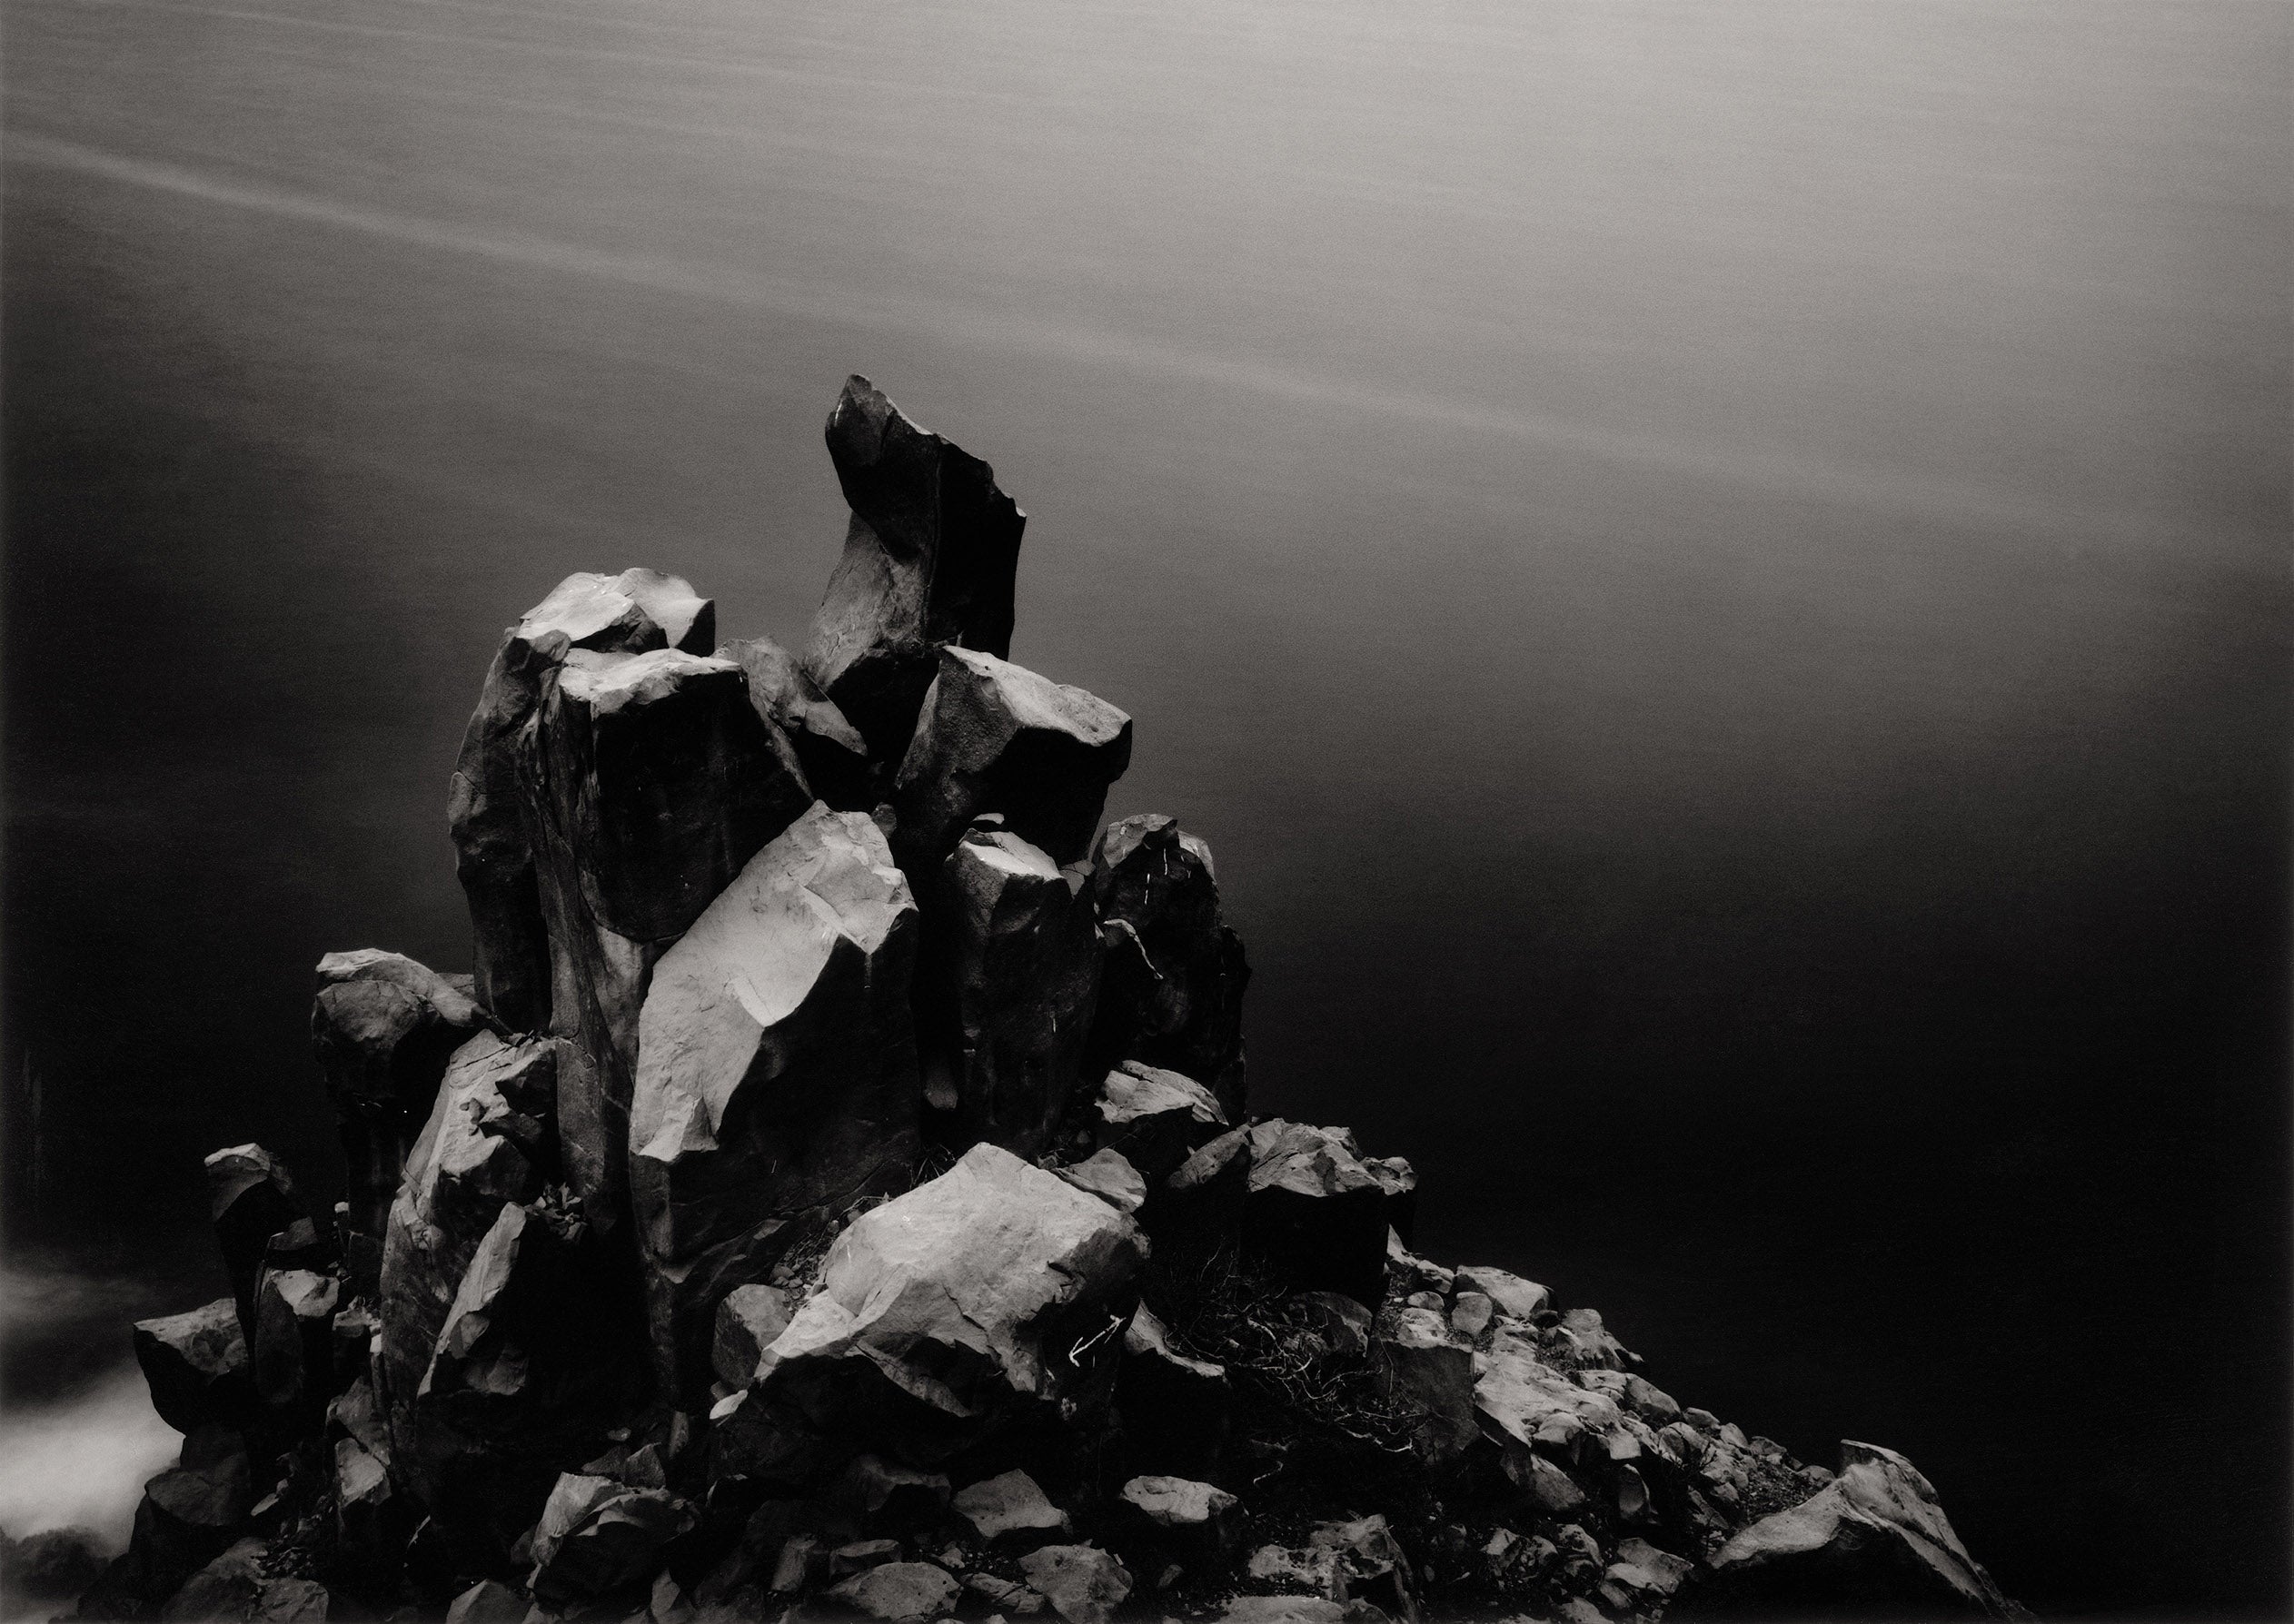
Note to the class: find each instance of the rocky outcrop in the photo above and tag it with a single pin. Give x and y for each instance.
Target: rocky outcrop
(834, 1197)
(776, 1072)
(929, 559)
(1005, 992)
(1173, 987)
(382, 1027)
(994, 736)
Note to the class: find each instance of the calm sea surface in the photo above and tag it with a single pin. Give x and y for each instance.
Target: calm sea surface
(1715, 575)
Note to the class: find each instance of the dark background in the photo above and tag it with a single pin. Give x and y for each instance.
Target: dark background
(1715, 575)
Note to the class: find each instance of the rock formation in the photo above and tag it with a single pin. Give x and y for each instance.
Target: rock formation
(834, 1197)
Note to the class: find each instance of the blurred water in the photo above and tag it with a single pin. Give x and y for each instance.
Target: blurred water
(1714, 574)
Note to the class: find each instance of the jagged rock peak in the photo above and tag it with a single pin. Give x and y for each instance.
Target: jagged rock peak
(930, 558)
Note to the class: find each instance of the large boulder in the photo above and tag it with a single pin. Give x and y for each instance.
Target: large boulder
(1871, 1544)
(189, 1515)
(479, 1152)
(973, 1300)
(1174, 975)
(382, 1027)
(834, 756)
(1428, 1369)
(196, 1365)
(1525, 1405)
(1004, 991)
(530, 1371)
(776, 1070)
(1156, 1118)
(596, 1534)
(489, 809)
(292, 1359)
(995, 736)
(654, 781)
(1009, 1510)
(930, 559)
(1315, 1212)
(249, 1197)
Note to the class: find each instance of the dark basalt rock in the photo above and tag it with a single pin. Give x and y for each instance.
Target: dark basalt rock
(489, 809)
(1006, 990)
(293, 1354)
(596, 1535)
(1156, 1118)
(930, 558)
(251, 1198)
(1314, 1212)
(834, 756)
(776, 1072)
(653, 782)
(196, 1365)
(1175, 1408)
(995, 736)
(382, 1027)
(1173, 988)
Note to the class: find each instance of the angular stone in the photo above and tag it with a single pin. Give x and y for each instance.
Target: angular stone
(1422, 1364)
(944, 1310)
(1551, 1492)
(189, 1513)
(1199, 1208)
(1004, 1595)
(1314, 1213)
(747, 1320)
(889, 1498)
(930, 558)
(1338, 1328)
(995, 736)
(251, 1198)
(489, 1601)
(1175, 1408)
(776, 1070)
(1515, 1298)
(834, 756)
(1084, 1584)
(1471, 1313)
(1004, 991)
(654, 782)
(1172, 989)
(1400, 1182)
(384, 1028)
(477, 1153)
(1156, 1118)
(292, 1361)
(596, 1535)
(1872, 1544)
(1648, 1572)
(1525, 1405)
(530, 1369)
(1182, 1519)
(858, 1556)
(1009, 1510)
(196, 1365)
(899, 1590)
(1107, 1175)
(1595, 1347)
(225, 1588)
(489, 806)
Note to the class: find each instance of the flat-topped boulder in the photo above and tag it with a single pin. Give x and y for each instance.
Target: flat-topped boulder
(776, 1070)
(930, 559)
(994, 736)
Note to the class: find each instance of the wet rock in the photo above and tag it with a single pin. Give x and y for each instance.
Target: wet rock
(899, 1590)
(489, 1601)
(489, 806)
(476, 1155)
(293, 1361)
(1156, 1118)
(251, 1198)
(747, 1320)
(930, 559)
(1107, 1175)
(655, 783)
(1004, 991)
(1515, 1298)
(196, 1365)
(944, 1311)
(776, 1070)
(997, 737)
(596, 1535)
(1083, 1584)
(1873, 1543)
(1314, 1212)
(1425, 1367)
(1172, 988)
(1009, 1510)
(834, 756)
(384, 1028)
(1175, 1408)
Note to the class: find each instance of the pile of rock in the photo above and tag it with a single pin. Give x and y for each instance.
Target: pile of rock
(834, 1195)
